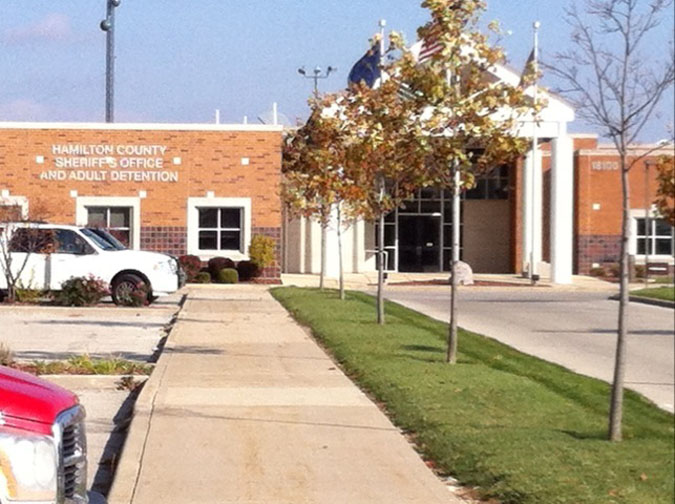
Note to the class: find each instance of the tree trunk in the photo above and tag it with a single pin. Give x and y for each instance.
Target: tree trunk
(451, 355)
(616, 403)
(324, 232)
(380, 272)
(339, 237)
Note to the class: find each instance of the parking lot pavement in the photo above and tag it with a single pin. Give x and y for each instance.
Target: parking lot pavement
(108, 412)
(53, 333)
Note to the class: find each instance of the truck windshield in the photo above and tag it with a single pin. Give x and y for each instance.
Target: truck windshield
(103, 239)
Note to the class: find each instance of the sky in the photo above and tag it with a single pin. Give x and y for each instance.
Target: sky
(179, 61)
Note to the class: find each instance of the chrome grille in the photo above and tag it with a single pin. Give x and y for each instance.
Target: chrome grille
(70, 433)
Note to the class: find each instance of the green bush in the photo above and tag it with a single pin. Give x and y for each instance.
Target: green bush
(614, 270)
(31, 296)
(227, 276)
(191, 265)
(640, 271)
(203, 277)
(218, 263)
(81, 291)
(262, 251)
(6, 355)
(247, 270)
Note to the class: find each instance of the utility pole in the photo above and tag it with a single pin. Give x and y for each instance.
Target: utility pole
(108, 26)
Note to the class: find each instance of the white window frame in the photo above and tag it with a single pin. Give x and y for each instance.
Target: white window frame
(7, 199)
(83, 202)
(632, 242)
(193, 206)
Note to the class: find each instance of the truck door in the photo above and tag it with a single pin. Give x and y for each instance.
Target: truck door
(72, 257)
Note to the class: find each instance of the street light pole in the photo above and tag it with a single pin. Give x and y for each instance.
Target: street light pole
(316, 75)
(108, 26)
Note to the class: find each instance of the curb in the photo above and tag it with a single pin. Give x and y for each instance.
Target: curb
(649, 301)
(130, 461)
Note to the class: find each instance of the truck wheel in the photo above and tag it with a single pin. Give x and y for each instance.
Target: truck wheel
(130, 290)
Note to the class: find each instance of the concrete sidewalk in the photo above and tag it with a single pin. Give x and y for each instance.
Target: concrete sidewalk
(244, 407)
(368, 281)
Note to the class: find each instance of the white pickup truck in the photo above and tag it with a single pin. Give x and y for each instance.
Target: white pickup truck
(46, 255)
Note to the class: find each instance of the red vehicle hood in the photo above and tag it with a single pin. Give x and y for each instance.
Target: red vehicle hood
(26, 397)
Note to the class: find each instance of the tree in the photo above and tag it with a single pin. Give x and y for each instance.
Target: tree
(665, 194)
(615, 85)
(19, 240)
(466, 123)
(313, 174)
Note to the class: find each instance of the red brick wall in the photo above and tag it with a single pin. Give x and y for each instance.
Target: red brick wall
(211, 160)
(598, 181)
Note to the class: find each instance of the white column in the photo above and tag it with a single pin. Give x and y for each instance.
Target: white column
(302, 246)
(332, 258)
(538, 212)
(562, 209)
(532, 213)
(526, 213)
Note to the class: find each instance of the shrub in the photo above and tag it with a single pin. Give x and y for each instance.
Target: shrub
(218, 263)
(29, 295)
(262, 251)
(6, 355)
(614, 270)
(247, 270)
(81, 291)
(191, 265)
(597, 272)
(140, 296)
(227, 276)
(640, 271)
(203, 277)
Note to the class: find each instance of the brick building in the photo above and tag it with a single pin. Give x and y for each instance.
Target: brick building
(195, 189)
(207, 189)
(494, 220)
(597, 225)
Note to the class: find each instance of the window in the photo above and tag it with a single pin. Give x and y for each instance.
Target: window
(116, 220)
(119, 215)
(492, 186)
(220, 228)
(32, 240)
(655, 240)
(69, 242)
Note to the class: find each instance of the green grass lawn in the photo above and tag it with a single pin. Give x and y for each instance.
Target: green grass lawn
(523, 430)
(664, 293)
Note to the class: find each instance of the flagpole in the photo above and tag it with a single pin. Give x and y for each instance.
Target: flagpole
(380, 258)
(536, 169)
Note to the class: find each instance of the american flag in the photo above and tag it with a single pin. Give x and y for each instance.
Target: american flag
(429, 46)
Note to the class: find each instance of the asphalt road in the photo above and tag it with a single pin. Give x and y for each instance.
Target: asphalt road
(574, 329)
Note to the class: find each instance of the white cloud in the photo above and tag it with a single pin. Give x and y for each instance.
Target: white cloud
(54, 27)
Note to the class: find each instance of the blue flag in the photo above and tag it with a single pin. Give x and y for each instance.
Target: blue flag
(367, 69)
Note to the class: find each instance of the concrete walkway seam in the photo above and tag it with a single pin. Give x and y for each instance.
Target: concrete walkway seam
(131, 459)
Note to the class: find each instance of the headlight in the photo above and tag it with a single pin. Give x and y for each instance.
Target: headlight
(29, 465)
(166, 266)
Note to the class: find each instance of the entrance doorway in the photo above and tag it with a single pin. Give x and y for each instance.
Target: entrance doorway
(419, 243)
